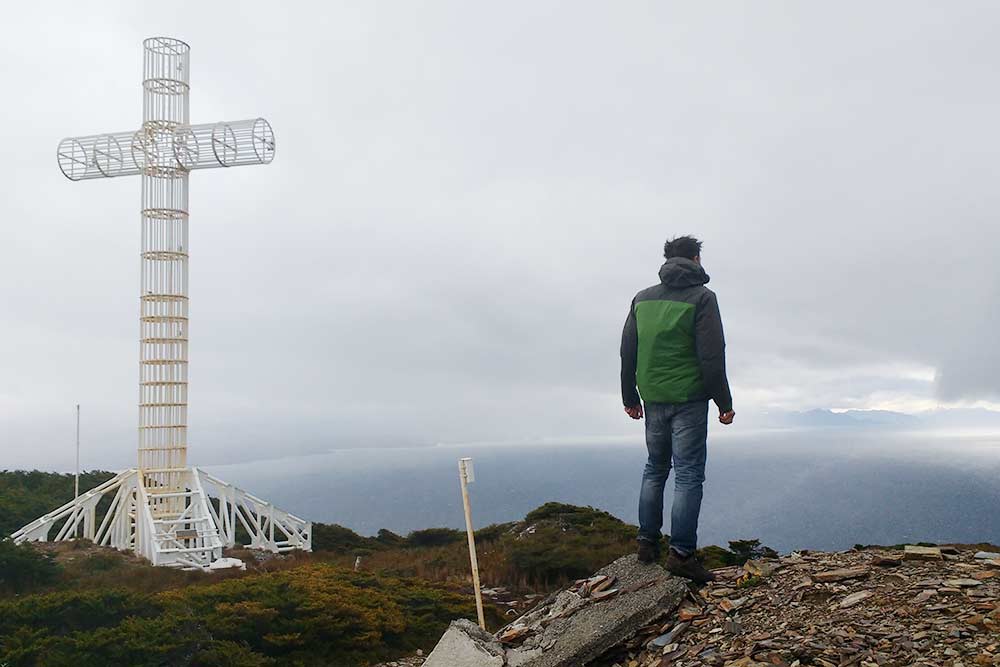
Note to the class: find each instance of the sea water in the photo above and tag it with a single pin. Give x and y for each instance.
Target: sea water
(816, 489)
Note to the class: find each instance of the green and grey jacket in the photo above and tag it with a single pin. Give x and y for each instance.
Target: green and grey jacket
(673, 347)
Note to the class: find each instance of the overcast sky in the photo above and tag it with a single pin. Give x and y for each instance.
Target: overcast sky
(466, 195)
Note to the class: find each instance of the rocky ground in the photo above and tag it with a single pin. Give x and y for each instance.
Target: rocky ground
(414, 661)
(921, 606)
(929, 606)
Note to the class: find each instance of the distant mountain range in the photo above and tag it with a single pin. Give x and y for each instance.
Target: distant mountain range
(950, 419)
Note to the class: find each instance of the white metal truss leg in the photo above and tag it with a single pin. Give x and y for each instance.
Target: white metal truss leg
(175, 526)
(268, 527)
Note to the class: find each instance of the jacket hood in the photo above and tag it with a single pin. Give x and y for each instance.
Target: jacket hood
(682, 272)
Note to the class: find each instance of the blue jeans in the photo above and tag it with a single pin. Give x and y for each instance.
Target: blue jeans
(676, 433)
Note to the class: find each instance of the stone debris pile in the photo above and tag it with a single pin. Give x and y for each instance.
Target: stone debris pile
(513, 605)
(919, 606)
(928, 606)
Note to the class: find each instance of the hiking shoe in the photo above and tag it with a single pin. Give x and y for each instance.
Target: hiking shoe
(648, 552)
(688, 567)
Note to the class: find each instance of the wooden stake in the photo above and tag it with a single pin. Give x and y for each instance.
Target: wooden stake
(464, 469)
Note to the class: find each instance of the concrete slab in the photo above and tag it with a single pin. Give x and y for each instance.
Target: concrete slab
(465, 644)
(571, 630)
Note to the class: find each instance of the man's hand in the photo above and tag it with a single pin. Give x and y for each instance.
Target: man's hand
(635, 412)
(727, 417)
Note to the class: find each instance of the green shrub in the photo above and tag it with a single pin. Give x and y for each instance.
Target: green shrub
(389, 538)
(331, 537)
(65, 612)
(434, 537)
(493, 532)
(714, 556)
(27, 495)
(570, 514)
(103, 561)
(23, 568)
(560, 542)
(744, 550)
(315, 614)
(739, 552)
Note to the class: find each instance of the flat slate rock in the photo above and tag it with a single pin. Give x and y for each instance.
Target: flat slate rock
(962, 583)
(914, 552)
(855, 598)
(841, 574)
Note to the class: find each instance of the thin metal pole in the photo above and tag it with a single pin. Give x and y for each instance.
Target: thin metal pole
(463, 476)
(76, 479)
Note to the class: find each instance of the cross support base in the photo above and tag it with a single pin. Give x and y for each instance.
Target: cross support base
(187, 528)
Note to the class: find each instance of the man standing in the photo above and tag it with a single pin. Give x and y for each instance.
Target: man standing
(674, 358)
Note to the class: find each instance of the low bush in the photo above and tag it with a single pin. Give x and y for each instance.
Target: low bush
(434, 537)
(316, 614)
(22, 568)
(337, 539)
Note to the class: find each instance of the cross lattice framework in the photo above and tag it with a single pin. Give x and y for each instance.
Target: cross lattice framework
(161, 509)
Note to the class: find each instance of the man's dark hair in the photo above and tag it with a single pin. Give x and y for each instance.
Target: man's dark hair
(687, 247)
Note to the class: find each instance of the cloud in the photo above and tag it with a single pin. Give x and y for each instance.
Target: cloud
(970, 363)
(465, 198)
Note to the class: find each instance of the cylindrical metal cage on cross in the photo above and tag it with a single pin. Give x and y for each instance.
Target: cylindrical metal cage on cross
(183, 148)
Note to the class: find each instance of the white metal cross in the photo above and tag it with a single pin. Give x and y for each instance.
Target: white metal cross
(163, 152)
(183, 527)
